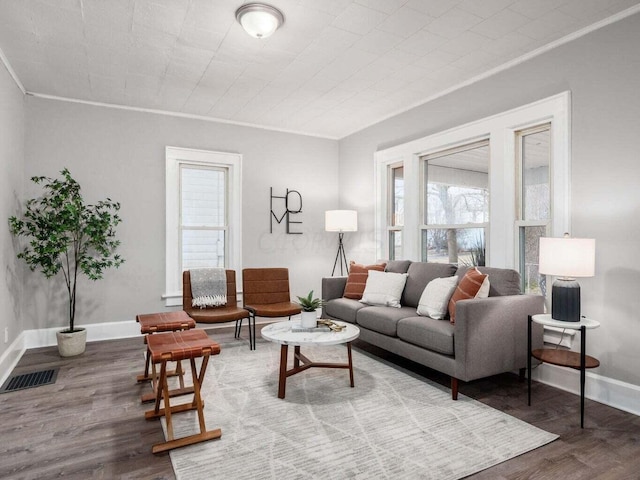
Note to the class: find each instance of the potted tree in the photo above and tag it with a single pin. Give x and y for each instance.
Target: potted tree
(309, 306)
(66, 235)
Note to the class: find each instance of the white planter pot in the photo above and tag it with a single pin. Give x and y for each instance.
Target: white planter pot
(71, 344)
(309, 319)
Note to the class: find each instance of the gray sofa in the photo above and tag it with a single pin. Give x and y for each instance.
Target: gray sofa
(489, 336)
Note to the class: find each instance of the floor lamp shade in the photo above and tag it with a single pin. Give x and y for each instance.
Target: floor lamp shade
(567, 258)
(341, 221)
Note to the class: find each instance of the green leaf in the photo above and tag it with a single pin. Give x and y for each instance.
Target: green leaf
(65, 234)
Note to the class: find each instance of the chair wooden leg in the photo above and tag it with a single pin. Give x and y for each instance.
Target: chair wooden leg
(147, 362)
(454, 388)
(197, 404)
(156, 383)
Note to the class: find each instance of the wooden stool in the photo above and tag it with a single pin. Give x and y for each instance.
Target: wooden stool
(163, 322)
(173, 347)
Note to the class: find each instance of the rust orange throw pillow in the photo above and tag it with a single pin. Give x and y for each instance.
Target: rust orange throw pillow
(357, 279)
(473, 284)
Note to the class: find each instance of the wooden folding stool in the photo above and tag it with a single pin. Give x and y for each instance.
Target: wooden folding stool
(151, 323)
(173, 347)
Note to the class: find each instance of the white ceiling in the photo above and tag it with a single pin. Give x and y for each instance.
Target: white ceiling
(335, 67)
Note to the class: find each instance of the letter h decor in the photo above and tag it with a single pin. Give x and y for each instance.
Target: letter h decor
(288, 210)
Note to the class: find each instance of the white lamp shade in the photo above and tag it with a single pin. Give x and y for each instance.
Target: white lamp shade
(259, 20)
(567, 257)
(341, 221)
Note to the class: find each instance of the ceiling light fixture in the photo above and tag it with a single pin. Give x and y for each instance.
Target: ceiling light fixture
(259, 20)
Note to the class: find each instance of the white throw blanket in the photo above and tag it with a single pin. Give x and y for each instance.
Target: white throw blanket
(208, 287)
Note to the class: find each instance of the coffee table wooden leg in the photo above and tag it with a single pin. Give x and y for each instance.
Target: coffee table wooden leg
(350, 363)
(296, 356)
(282, 381)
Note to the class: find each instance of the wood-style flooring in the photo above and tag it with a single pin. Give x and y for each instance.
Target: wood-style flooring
(90, 423)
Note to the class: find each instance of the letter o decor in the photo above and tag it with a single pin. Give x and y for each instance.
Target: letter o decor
(288, 199)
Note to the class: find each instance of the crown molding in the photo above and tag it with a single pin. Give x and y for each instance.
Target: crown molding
(177, 114)
(12, 72)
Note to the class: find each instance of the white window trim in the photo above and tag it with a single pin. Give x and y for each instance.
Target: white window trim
(175, 156)
(519, 223)
(390, 201)
(500, 129)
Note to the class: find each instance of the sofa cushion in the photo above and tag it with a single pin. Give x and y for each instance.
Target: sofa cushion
(504, 281)
(383, 319)
(343, 309)
(427, 333)
(419, 275)
(384, 288)
(357, 279)
(434, 301)
(472, 285)
(397, 266)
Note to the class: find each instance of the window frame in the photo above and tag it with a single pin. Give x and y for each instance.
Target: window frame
(392, 227)
(520, 223)
(231, 163)
(182, 166)
(438, 153)
(500, 128)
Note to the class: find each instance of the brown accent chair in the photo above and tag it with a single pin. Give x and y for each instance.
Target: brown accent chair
(265, 293)
(225, 313)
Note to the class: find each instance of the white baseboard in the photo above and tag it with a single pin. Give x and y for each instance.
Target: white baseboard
(10, 358)
(46, 337)
(617, 394)
(602, 389)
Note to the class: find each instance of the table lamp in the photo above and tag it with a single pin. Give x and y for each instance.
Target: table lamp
(341, 221)
(567, 258)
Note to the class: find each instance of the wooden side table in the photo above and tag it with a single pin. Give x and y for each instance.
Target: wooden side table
(564, 358)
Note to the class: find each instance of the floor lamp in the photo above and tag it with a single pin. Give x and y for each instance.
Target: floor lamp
(566, 258)
(341, 221)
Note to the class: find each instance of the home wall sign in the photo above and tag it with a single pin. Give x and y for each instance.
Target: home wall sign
(292, 201)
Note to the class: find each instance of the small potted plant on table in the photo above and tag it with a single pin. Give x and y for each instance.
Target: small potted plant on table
(67, 235)
(309, 306)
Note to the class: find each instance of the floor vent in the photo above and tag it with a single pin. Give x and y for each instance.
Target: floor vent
(29, 380)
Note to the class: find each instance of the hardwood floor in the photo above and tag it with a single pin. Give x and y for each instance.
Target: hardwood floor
(90, 423)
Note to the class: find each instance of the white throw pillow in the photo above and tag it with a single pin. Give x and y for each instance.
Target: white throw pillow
(434, 301)
(384, 288)
(484, 288)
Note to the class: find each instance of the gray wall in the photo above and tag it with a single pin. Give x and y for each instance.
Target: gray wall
(602, 71)
(11, 175)
(121, 154)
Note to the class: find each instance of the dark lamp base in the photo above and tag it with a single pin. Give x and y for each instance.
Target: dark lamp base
(565, 300)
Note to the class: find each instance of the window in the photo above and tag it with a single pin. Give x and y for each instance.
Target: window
(455, 193)
(203, 226)
(533, 151)
(203, 216)
(459, 190)
(396, 210)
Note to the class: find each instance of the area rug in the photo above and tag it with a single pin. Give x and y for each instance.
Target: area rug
(392, 425)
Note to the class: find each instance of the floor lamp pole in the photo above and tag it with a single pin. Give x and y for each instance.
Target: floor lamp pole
(340, 257)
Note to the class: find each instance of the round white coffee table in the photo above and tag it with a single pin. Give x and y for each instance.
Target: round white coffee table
(281, 333)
